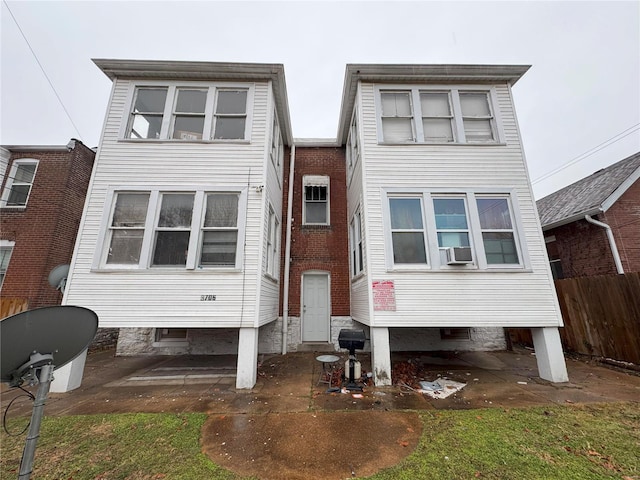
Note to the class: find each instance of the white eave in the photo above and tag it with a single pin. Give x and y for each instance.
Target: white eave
(211, 71)
(406, 73)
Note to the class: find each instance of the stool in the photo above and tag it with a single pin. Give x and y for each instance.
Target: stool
(328, 368)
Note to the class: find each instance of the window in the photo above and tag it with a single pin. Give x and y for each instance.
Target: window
(316, 200)
(189, 112)
(276, 153)
(165, 337)
(451, 222)
(127, 228)
(147, 112)
(450, 231)
(184, 229)
(353, 147)
(497, 231)
(397, 116)
(220, 230)
(407, 230)
(357, 260)
(272, 244)
(173, 229)
(19, 183)
(231, 114)
(444, 115)
(554, 257)
(6, 248)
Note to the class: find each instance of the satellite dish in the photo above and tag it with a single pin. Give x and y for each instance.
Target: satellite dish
(58, 277)
(61, 331)
(32, 345)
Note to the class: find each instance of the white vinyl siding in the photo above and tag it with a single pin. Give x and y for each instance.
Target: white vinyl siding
(452, 296)
(437, 114)
(171, 297)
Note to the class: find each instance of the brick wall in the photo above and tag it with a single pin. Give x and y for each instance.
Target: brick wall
(45, 231)
(584, 249)
(319, 247)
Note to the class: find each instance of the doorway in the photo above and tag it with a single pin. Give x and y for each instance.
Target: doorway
(315, 307)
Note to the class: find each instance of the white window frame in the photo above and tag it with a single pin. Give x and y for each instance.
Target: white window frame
(315, 181)
(11, 181)
(148, 242)
(356, 244)
(272, 257)
(276, 151)
(436, 256)
(353, 146)
(457, 120)
(175, 113)
(168, 120)
(6, 246)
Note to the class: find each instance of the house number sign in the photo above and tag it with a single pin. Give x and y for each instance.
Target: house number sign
(207, 298)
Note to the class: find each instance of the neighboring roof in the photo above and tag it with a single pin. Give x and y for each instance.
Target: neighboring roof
(178, 70)
(418, 74)
(589, 196)
(43, 148)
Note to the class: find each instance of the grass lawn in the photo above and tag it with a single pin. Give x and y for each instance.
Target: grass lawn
(563, 442)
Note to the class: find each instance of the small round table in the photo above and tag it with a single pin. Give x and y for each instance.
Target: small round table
(328, 368)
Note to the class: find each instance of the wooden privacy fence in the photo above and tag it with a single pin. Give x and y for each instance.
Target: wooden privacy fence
(602, 315)
(11, 306)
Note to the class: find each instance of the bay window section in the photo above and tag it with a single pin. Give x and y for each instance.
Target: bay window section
(407, 230)
(497, 231)
(126, 230)
(147, 112)
(230, 114)
(397, 116)
(173, 230)
(189, 113)
(220, 230)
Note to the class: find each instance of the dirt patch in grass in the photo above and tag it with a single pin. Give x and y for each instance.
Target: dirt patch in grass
(328, 445)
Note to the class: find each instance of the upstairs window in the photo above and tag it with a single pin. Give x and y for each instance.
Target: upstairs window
(193, 112)
(316, 200)
(19, 183)
(220, 230)
(277, 150)
(437, 115)
(397, 117)
(147, 112)
(188, 114)
(127, 228)
(273, 227)
(497, 231)
(173, 229)
(357, 258)
(452, 227)
(231, 114)
(353, 147)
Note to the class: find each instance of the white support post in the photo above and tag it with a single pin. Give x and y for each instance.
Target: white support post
(548, 348)
(69, 376)
(247, 358)
(380, 356)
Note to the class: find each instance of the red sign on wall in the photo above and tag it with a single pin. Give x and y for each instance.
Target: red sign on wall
(384, 296)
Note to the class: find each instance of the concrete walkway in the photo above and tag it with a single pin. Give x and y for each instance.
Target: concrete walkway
(287, 425)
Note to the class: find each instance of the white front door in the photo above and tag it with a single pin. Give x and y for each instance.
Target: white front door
(315, 307)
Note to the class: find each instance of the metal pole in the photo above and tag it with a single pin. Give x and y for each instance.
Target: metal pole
(28, 454)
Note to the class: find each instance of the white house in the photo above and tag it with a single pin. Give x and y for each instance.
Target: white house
(180, 241)
(444, 227)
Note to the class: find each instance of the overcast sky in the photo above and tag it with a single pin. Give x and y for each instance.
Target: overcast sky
(580, 101)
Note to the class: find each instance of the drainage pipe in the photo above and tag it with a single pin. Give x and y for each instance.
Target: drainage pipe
(287, 251)
(612, 242)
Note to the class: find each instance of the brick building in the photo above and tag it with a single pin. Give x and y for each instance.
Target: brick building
(592, 227)
(43, 192)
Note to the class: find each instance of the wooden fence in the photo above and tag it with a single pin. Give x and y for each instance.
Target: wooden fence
(11, 306)
(601, 316)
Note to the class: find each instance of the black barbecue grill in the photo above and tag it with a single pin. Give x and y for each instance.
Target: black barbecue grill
(352, 340)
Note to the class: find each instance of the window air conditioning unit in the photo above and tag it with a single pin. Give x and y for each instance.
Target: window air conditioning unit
(459, 255)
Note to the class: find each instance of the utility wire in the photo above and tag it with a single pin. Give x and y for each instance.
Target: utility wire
(588, 153)
(43, 70)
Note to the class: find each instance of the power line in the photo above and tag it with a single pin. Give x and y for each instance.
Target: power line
(43, 70)
(588, 153)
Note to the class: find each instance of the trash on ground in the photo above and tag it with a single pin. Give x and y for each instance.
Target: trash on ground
(447, 387)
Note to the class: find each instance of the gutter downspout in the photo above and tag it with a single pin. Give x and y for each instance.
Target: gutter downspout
(287, 251)
(612, 242)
